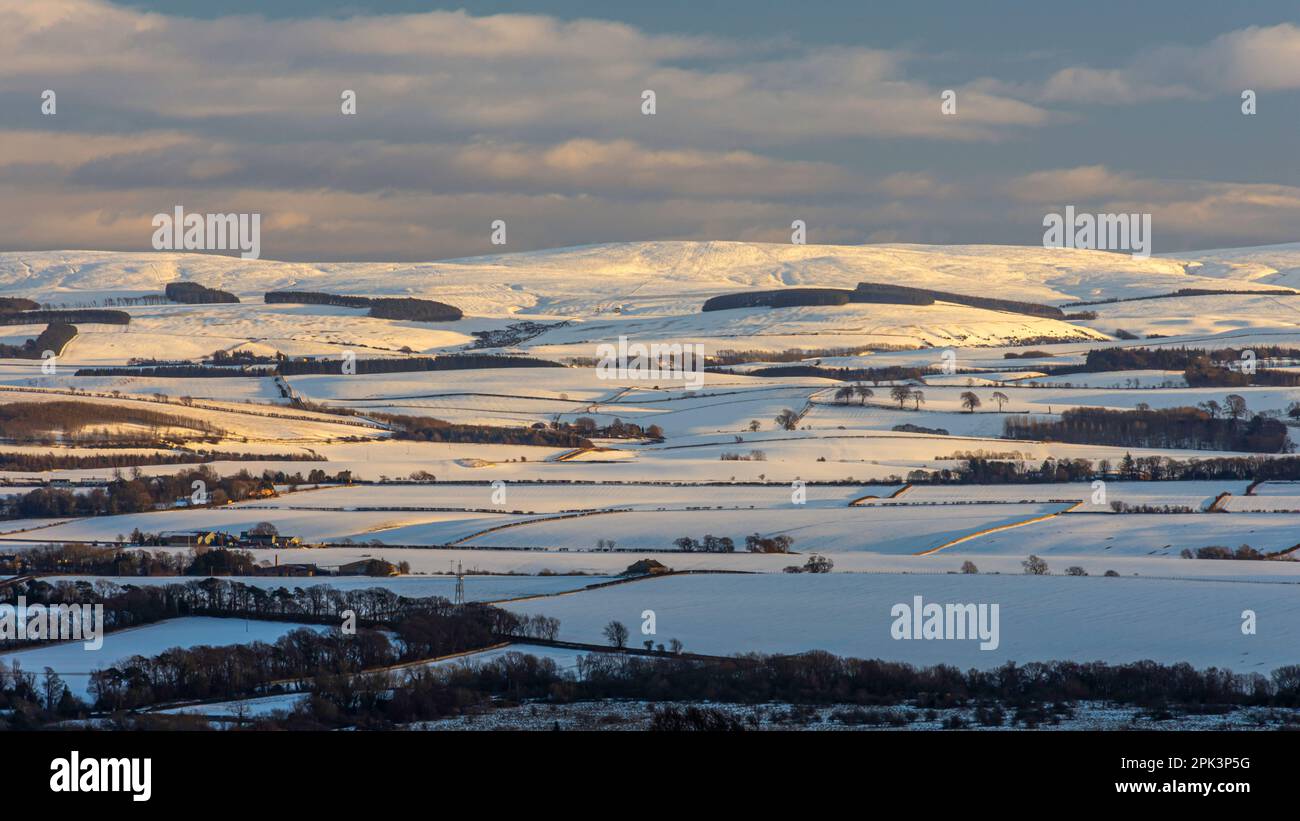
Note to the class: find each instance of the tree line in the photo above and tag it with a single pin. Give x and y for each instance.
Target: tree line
(404, 308)
(136, 494)
(187, 371)
(754, 543)
(55, 337)
(103, 560)
(56, 461)
(86, 316)
(11, 304)
(814, 678)
(1183, 292)
(315, 298)
(993, 471)
(449, 362)
(870, 292)
(1201, 372)
(427, 429)
(889, 373)
(390, 629)
(64, 420)
(1185, 428)
(192, 293)
(283, 366)
(1202, 367)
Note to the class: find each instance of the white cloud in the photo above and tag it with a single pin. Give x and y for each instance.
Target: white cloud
(450, 72)
(463, 119)
(1263, 58)
(1185, 213)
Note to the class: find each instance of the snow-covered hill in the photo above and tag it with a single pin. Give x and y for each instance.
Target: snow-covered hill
(660, 278)
(655, 290)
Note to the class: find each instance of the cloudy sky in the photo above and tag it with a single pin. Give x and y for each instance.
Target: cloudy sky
(767, 112)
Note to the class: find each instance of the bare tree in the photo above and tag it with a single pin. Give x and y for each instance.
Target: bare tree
(918, 398)
(787, 419)
(970, 401)
(864, 393)
(616, 634)
(1236, 406)
(900, 394)
(1001, 398)
(1034, 566)
(53, 688)
(818, 564)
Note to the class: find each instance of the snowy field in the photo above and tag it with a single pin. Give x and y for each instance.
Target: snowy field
(533, 498)
(1277, 489)
(1196, 495)
(894, 529)
(1272, 503)
(1041, 617)
(725, 466)
(1116, 379)
(242, 708)
(1142, 534)
(393, 527)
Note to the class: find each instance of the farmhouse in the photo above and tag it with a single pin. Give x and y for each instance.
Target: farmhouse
(278, 569)
(250, 539)
(197, 538)
(646, 567)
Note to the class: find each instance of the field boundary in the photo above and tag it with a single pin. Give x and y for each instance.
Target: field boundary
(996, 529)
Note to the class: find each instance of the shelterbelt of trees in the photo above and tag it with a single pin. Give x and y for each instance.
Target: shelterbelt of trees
(1185, 292)
(994, 471)
(1201, 367)
(55, 338)
(128, 605)
(871, 292)
(412, 629)
(378, 701)
(889, 373)
(405, 308)
(192, 293)
(115, 560)
(577, 434)
(65, 420)
(1183, 428)
(57, 461)
(188, 371)
(88, 316)
(283, 366)
(342, 694)
(450, 362)
(1203, 373)
(138, 493)
(13, 304)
